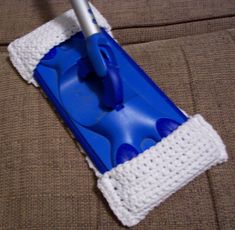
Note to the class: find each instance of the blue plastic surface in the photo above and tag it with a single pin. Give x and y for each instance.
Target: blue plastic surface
(110, 136)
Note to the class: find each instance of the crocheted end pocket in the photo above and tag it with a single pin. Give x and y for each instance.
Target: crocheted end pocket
(27, 51)
(137, 186)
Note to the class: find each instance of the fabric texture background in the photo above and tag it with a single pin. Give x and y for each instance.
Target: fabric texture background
(45, 183)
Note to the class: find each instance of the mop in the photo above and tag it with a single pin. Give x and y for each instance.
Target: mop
(142, 147)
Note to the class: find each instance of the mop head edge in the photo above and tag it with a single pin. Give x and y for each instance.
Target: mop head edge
(26, 52)
(134, 188)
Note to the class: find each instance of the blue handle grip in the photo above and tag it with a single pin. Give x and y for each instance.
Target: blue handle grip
(104, 62)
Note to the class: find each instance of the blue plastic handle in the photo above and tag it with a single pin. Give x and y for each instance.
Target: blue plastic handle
(104, 62)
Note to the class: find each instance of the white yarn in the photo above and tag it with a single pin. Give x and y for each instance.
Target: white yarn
(137, 186)
(26, 52)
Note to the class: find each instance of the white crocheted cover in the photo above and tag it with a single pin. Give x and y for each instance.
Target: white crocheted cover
(26, 52)
(137, 186)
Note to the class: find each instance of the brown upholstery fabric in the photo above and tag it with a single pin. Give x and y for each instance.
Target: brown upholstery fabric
(19, 17)
(45, 182)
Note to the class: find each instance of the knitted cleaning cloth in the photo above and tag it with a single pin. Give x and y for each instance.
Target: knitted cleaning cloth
(26, 52)
(134, 188)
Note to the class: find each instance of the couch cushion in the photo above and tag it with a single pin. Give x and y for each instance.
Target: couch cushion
(45, 182)
(20, 17)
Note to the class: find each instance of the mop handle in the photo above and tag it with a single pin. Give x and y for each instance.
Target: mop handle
(85, 17)
(101, 55)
